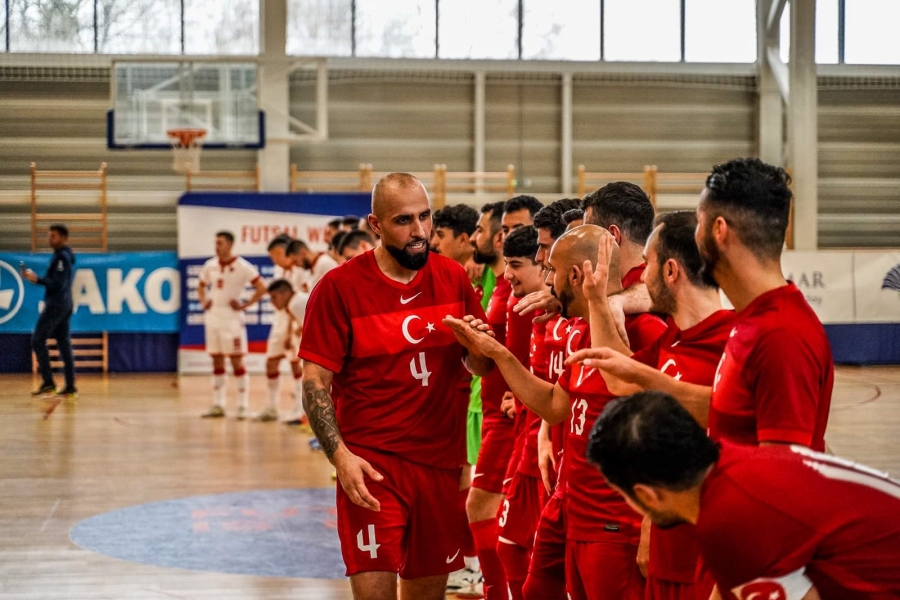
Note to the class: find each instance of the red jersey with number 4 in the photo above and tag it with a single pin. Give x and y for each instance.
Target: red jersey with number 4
(776, 520)
(396, 367)
(775, 379)
(592, 506)
(690, 356)
(555, 342)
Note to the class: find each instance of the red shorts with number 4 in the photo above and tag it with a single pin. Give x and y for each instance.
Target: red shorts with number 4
(497, 445)
(603, 570)
(418, 531)
(521, 510)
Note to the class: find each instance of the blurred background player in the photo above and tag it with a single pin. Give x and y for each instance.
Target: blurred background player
(283, 340)
(525, 494)
(355, 243)
(376, 363)
(573, 217)
(292, 303)
(335, 244)
(453, 227)
(331, 228)
(350, 223)
(56, 315)
(809, 526)
(682, 362)
(219, 288)
(519, 212)
(317, 263)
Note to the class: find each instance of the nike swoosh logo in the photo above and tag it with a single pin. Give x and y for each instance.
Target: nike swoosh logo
(452, 558)
(410, 299)
(505, 481)
(476, 475)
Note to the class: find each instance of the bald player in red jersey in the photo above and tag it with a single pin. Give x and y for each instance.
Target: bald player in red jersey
(775, 380)
(773, 523)
(682, 361)
(555, 404)
(381, 379)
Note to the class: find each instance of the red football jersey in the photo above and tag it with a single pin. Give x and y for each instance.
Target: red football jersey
(592, 506)
(556, 342)
(776, 375)
(774, 520)
(397, 368)
(493, 386)
(691, 356)
(518, 341)
(538, 364)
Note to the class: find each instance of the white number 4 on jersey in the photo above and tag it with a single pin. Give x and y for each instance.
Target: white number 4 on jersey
(371, 547)
(421, 373)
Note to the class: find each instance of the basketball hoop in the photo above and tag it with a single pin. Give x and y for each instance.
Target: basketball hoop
(186, 147)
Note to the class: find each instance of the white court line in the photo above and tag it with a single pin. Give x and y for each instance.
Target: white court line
(52, 512)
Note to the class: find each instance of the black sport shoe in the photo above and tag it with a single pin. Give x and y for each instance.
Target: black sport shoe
(45, 390)
(68, 393)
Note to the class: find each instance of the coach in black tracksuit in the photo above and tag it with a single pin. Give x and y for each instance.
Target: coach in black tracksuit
(54, 320)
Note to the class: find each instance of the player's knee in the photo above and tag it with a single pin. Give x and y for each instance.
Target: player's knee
(374, 585)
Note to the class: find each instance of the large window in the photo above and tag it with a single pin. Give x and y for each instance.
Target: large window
(396, 28)
(139, 26)
(320, 27)
(478, 29)
(560, 30)
(50, 26)
(871, 32)
(716, 31)
(221, 26)
(642, 30)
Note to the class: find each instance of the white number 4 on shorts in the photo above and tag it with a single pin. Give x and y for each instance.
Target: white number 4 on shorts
(371, 547)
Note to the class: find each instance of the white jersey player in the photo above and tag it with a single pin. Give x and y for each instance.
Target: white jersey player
(283, 339)
(292, 304)
(221, 284)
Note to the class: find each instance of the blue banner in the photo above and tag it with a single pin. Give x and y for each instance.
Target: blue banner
(127, 292)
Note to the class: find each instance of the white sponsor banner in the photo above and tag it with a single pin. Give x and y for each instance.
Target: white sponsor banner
(877, 276)
(846, 286)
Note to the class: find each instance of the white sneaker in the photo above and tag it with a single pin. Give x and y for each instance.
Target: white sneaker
(270, 414)
(241, 413)
(215, 412)
(472, 592)
(463, 579)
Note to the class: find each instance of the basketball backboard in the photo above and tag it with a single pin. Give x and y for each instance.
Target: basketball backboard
(150, 98)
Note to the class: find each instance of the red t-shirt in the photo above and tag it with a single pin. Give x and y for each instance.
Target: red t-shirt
(776, 375)
(593, 507)
(397, 368)
(773, 519)
(690, 356)
(538, 364)
(556, 343)
(493, 386)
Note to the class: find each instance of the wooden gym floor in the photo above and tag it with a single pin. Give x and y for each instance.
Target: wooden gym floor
(133, 439)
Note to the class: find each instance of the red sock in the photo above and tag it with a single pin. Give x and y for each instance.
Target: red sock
(540, 588)
(468, 542)
(515, 561)
(240, 372)
(485, 535)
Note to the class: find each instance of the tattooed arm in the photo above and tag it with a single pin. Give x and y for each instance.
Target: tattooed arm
(351, 469)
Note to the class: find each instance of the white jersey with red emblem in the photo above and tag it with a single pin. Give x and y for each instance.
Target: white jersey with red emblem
(226, 282)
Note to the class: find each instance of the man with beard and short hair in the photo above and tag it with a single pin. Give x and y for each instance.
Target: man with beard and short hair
(682, 362)
(775, 379)
(381, 380)
(602, 532)
(779, 522)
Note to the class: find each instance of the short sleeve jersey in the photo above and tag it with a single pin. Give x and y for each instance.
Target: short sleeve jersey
(397, 368)
(297, 306)
(322, 264)
(493, 386)
(691, 356)
(776, 375)
(556, 341)
(295, 275)
(538, 364)
(805, 519)
(226, 282)
(593, 507)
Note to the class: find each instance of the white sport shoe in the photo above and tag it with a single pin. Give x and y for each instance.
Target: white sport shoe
(215, 412)
(241, 413)
(463, 579)
(270, 414)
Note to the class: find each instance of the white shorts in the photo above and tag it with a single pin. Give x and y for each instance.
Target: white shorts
(228, 337)
(275, 345)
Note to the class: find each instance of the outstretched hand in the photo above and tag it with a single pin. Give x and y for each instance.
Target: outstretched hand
(475, 335)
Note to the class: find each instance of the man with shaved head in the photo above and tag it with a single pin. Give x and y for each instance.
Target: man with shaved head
(602, 531)
(382, 382)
